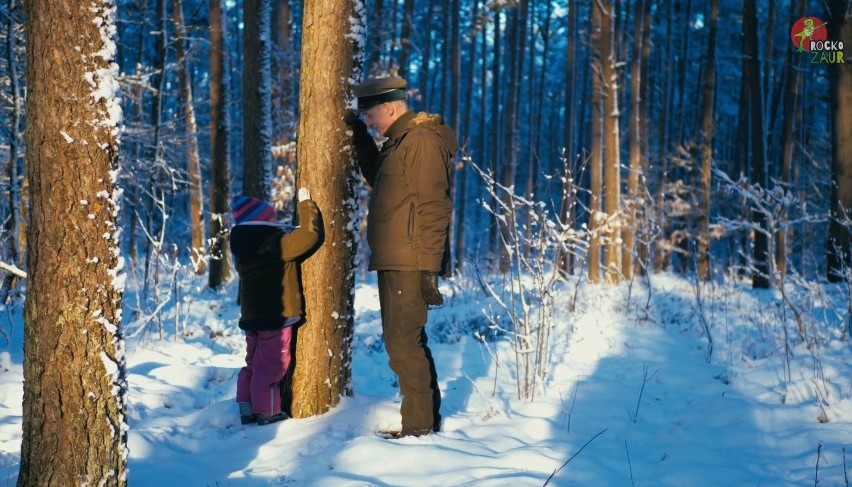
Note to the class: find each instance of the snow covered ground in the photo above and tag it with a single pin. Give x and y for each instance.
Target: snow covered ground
(630, 397)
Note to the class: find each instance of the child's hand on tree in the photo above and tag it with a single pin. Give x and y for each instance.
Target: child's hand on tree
(304, 194)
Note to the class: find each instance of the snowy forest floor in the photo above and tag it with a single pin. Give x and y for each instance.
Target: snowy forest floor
(629, 396)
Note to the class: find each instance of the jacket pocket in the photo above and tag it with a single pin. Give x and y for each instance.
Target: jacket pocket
(410, 229)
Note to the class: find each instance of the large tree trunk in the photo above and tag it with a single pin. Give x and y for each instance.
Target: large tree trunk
(330, 57)
(596, 156)
(257, 100)
(839, 252)
(196, 213)
(708, 133)
(612, 144)
(220, 129)
(74, 430)
(751, 70)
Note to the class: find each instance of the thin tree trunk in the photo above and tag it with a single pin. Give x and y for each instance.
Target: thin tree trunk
(708, 133)
(196, 213)
(13, 220)
(425, 69)
(663, 250)
(642, 246)
(405, 38)
(751, 68)
(465, 129)
(566, 210)
(257, 100)
(220, 148)
(330, 54)
(793, 79)
(596, 157)
(612, 136)
(455, 73)
(635, 126)
(496, 76)
(839, 252)
(74, 429)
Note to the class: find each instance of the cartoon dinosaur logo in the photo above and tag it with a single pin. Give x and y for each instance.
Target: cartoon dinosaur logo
(805, 30)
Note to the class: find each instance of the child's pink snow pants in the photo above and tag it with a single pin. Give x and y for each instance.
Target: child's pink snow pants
(267, 360)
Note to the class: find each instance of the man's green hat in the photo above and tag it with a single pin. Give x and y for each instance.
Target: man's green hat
(375, 91)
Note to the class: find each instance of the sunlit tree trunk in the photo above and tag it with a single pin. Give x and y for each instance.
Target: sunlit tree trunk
(839, 252)
(331, 56)
(74, 429)
(220, 160)
(612, 138)
(708, 134)
(596, 156)
(196, 214)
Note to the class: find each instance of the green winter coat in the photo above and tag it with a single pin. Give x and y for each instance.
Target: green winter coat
(266, 259)
(410, 207)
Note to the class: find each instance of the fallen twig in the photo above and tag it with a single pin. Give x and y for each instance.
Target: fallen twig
(572, 457)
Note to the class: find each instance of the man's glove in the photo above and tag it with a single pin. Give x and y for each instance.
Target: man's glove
(303, 194)
(429, 288)
(351, 117)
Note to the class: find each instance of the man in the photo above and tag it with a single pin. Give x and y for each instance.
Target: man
(408, 233)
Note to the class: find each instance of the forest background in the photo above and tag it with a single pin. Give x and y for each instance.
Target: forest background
(612, 139)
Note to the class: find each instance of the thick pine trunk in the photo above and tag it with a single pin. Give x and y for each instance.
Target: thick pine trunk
(839, 252)
(193, 160)
(708, 133)
(220, 129)
(330, 57)
(74, 431)
(257, 100)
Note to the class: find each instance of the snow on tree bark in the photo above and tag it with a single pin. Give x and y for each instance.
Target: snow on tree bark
(74, 429)
(332, 60)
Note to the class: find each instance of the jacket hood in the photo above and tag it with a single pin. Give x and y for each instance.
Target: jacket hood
(411, 120)
(247, 238)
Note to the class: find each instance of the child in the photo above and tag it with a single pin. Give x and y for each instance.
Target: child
(270, 298)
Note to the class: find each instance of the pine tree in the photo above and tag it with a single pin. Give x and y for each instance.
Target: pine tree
(74, 431)
(331, 56)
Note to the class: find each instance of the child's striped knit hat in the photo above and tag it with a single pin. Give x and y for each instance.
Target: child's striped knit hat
(248, 209)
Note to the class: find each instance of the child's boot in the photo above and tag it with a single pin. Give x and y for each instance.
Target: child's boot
(266, 419)
(246, 416)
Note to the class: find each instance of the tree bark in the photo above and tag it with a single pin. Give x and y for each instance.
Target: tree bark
(751, 69)
(13, 220)
(708, 134)
(612, 142)
(220, 159)
(257, 100)
(791, 94)
(596, 156)
(839, 252)
(196, 213)
(74, 430)
(331, 55)
(405, 38)
(566, 210)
